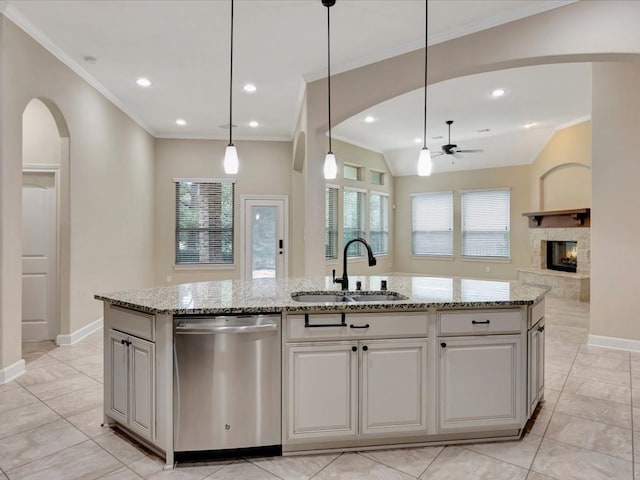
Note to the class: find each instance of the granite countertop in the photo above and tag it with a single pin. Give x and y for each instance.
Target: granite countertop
(269, 295)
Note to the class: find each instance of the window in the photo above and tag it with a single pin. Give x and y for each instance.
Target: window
(354, 219)
(485, 223)
(376, 178)
(379, 223)
(204, 222)
(351, 172)
(432, 223)
(331, 223)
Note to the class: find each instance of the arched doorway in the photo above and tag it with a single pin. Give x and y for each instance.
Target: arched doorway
(45, 207)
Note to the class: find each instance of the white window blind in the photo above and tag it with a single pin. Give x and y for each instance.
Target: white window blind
(354, 220)
(331, 223)
(432, 223)
(486, 223)
(204, 222)
(379, 223)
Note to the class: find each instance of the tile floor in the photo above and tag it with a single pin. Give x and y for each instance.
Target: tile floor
(587, 428)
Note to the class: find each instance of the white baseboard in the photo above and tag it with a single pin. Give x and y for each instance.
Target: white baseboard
(614, 342)
(80, 333)
(12, 372)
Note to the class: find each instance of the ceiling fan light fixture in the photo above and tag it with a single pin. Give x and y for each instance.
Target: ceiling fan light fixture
(424, 163)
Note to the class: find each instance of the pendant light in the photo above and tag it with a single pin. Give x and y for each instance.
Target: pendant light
(231, 154)
(424, 160)
(330, 165)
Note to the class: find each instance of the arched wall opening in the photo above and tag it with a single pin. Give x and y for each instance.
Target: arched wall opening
(45, 165)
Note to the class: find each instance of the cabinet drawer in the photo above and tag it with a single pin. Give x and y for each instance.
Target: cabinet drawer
(356, 325)
(537, 313)
(129, 321)
(479, 322)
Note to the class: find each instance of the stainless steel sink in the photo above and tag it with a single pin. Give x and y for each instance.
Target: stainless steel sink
(336, 297)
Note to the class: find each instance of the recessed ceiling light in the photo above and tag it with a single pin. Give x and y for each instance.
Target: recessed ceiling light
(90, 59)
(181, 121)
(369, 119)
(143, 82)
(417, 140)
(249, 87)
(529, 125)
(253, 123)
(498, 92)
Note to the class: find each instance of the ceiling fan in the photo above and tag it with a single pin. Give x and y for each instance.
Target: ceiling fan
(452, 149)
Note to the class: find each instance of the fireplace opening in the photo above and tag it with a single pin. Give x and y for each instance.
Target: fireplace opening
(562, 256)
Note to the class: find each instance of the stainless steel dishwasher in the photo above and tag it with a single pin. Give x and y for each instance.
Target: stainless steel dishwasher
(226, 385)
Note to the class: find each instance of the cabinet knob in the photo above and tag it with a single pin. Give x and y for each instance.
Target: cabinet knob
(443, 345)
(365, 348)
(354, 349)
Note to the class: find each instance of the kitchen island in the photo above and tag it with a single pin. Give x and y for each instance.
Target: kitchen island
(451, 360)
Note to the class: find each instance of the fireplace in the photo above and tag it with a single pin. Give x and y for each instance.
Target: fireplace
(562, 255)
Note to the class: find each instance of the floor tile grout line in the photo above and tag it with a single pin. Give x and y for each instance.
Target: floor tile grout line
(248, 460)
(553, 410)
(432, 461)
(326, 466)
(360, 453)
(466, 447)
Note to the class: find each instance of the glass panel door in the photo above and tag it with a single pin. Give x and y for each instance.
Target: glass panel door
(264, 248)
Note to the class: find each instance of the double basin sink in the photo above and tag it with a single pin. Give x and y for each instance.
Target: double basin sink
(344, 297)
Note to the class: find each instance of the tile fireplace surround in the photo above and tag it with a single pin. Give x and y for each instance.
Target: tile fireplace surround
(573, 286)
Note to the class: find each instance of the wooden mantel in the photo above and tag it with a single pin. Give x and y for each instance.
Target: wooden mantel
(580, 217)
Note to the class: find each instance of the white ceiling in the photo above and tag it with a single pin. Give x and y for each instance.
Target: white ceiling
(183, 47)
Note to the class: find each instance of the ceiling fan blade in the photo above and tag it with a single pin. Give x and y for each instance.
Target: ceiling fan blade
(457, 155)
(470, 151)
(436, 154)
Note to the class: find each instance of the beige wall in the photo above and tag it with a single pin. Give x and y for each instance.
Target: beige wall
(615, 233)
(265, 169)
(368, 160)
(515, 178)
(110, 187)
(561, 173)
(40, 137)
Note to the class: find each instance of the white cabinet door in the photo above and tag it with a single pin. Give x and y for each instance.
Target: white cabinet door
(322, 390)
(480, 383)
(129, 379)
(394, 377)
(117, 377)
(141, 387)
(535, 385)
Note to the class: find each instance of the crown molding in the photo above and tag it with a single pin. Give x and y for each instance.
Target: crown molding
(473, 27)
(21, 21)
(239, 138)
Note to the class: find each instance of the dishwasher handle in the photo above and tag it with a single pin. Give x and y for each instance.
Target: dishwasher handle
(212, 328)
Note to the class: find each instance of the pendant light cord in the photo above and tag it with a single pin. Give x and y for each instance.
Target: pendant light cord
(329, 70)
(231, 82)
(426, 30)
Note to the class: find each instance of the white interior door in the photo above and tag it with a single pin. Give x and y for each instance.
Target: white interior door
(265, 235)
(39, 277)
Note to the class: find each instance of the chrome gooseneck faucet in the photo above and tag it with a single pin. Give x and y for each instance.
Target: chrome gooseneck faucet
(344, 280)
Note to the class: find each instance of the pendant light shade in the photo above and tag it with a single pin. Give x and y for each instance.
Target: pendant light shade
(424, 160)
(330, 164)
(231, 162)
(424, 163)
